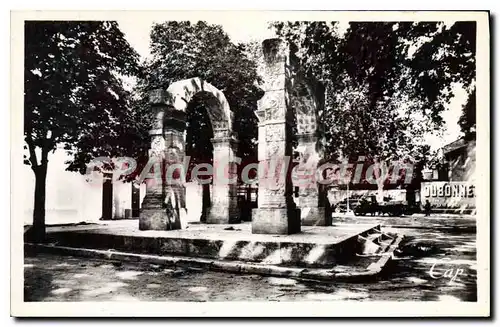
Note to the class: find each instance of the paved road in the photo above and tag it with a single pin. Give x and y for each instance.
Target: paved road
(59, 278)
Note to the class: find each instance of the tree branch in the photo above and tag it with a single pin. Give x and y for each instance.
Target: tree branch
(31, 148)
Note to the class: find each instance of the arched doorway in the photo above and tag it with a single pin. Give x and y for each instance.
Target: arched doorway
(199, 149)
(168, 145)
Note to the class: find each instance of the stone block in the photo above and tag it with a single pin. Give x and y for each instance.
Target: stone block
(158, 97)
(203, 248)
(281, 221)
(218, 214)
(314, 216)
(156, 219)
(169, 246)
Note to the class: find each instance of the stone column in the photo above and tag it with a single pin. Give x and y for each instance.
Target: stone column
(175, 168)
(224, 206)
(307, 99)
(118, 211)
(152, 215)
(312, 209)
(166, 134)
(276, 212)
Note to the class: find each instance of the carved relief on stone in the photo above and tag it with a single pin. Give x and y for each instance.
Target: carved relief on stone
(158, 96)
(271, 192)
(305, 110)
(273, 111)
(174, 155)
(173, 134)
(274, 83)
(157, 118)
(157, 145)
(219, 124)
(261, 149)
(275, 70)
(274, 50)
(275, 191)
(272, 197)
(303, 106)
(275, 149)
(274, 105)
(275, 132)
(304, 173)
(220, 132)
(310, 191)
(306, 124)
(174, 138)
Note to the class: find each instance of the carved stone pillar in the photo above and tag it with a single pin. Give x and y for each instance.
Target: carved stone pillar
(308, 99)
(152, 211)
(175, 168)
(276, 212)
(224, 207)
(309, 200)
(167, 146)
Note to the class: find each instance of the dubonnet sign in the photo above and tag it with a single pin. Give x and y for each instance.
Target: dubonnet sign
(449, 195)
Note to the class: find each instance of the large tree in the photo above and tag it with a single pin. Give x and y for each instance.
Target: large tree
(74, 96)
(387, 83)
(467, 120)
(183, 50)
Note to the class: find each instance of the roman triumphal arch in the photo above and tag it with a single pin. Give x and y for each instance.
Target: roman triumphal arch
(168, 146)
(287, 112)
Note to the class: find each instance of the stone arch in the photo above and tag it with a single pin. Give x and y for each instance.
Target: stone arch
(181, 92)
(167, 135)
(307, 100)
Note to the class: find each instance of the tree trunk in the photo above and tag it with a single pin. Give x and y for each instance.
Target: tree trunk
(381, 175)
(380, 191)
(38, 231)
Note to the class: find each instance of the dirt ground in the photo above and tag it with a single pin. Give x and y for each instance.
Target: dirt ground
(451, 254)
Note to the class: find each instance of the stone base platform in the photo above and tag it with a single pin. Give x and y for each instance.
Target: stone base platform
(154, 219)
(282, 221)
(315, 216)
(316, 246)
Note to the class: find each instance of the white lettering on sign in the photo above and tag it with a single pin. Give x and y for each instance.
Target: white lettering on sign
(449, 190)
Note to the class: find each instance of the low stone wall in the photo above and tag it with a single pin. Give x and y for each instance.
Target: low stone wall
(279, 252)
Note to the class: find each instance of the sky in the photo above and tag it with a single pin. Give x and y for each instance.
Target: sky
(137, 33)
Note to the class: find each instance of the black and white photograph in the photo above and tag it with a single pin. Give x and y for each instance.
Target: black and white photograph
(200, 163)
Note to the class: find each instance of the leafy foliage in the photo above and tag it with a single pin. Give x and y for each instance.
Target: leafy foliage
(74, 95)
(387, 82)
(183, 50)
(467, 120)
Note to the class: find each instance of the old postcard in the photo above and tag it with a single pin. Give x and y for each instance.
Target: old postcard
(259, 163)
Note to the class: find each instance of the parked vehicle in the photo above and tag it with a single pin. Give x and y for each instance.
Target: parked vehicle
(392, 208)
(341, 207)
(369, 206)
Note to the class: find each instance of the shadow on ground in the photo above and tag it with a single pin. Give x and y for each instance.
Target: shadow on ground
(60, 278)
